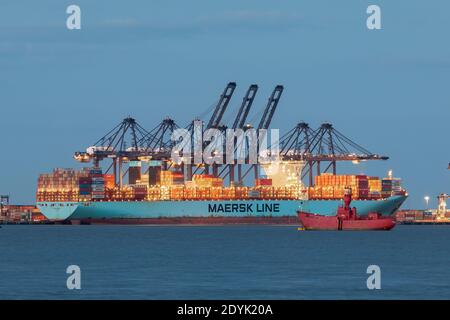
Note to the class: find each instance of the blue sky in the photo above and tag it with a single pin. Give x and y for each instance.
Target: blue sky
(61, 90)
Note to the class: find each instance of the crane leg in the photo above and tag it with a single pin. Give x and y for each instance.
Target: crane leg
(240, 174)
(189, 172)
(215, 168)
(115, 171)
(231, 174)
(120, 174)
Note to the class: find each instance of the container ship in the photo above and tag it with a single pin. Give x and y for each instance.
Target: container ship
(161, 190)
(90, 197)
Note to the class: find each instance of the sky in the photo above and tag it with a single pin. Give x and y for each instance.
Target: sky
(61, 90)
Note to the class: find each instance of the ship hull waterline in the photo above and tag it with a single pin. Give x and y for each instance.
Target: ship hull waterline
(204, 212)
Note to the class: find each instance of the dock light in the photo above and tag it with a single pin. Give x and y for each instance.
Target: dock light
(427, 199)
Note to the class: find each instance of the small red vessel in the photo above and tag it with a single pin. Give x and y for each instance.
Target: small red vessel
(345, 219)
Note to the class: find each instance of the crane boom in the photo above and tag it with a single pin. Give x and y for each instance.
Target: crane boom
(247, 102)
(224, 100)
(239, 123)
(266, 119)
(271, 107)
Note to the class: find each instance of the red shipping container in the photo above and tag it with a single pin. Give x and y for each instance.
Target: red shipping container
(263, 182)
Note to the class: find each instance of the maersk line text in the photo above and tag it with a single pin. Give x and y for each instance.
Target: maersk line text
(243, 207)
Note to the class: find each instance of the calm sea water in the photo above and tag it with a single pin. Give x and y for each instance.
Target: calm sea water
(222, 262)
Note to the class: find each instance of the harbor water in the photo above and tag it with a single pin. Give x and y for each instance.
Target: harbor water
(222, 262)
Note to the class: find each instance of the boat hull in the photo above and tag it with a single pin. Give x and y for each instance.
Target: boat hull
(205, 212)
(333, 223)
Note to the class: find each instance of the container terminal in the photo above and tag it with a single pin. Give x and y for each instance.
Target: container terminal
(19, 214)
(441, 215)
(130, 176)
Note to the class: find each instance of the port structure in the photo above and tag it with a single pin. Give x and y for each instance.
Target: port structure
(442, 204)
(244, 109)
(325, 144)
(219, 110)
(129, 141)
(157, 143)
(4, 204)
(121, 144)
(240, 123)
(264, 123)
(214, 122)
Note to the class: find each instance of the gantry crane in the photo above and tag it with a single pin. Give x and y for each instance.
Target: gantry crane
(326, 144)
(297, 141)
(129, 141)
(213, 123)
(216, 118)
(119, 144)
(158, 142)
(239, 123)
(264, 123)
(442, 204)
(271, 106)
(247, 101)
(225, 97)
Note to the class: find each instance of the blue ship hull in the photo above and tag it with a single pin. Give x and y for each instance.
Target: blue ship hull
(204, 212)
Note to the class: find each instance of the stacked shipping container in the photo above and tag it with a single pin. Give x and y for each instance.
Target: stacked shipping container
(98, 183)
(169, 178)
(391, 186)
(328, 186)
(206, 180)
(60, 185)
(93, 185)
(72, 185)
